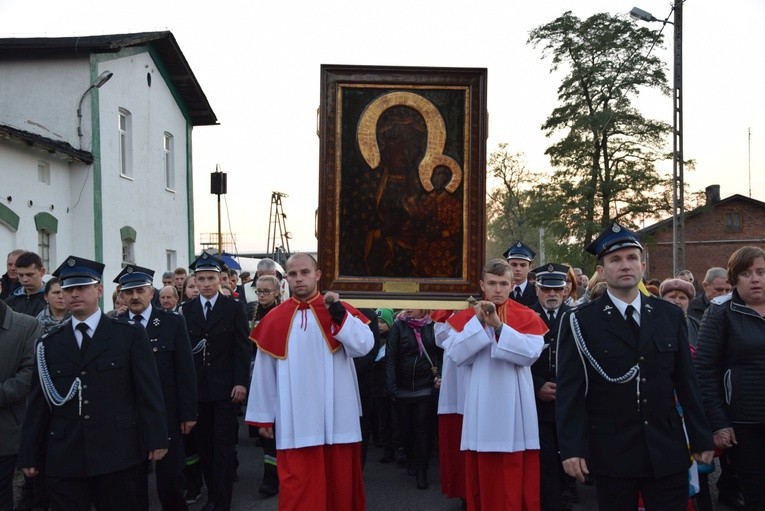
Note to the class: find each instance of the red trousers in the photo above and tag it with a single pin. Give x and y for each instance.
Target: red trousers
(451, 458)
(321, 478)
(502, 481)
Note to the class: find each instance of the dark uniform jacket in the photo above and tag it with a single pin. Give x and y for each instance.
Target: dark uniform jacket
(172, 352)
(121, 416)
(225, 362)
(544, 369)
(619, 433)
(528, 297)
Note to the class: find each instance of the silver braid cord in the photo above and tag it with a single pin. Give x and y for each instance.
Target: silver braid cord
(46, 382)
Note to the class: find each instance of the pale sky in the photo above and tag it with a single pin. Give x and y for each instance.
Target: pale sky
(258, 64)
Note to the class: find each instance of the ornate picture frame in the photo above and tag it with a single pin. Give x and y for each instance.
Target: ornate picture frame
(402, 183)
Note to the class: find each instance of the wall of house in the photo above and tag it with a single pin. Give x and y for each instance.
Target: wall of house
(27, 196)
(42, 97)
(708, 242)
(140, 200)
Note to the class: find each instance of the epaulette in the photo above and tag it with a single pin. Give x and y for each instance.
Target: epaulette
(719, 300)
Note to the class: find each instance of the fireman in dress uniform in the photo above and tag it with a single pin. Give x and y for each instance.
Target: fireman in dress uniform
(519, 257)
(172, 353)
(95, 410)
(551, 279)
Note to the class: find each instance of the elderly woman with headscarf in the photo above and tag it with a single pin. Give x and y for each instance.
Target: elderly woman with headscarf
(681, 292)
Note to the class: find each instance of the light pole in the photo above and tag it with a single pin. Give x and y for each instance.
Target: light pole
(102, 79)
(678, 177)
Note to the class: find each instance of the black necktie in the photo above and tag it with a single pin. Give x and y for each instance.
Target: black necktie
(551, 315)
(634, 327)
(138, 319)
(83, 328)
(517, 292)
(208, 308)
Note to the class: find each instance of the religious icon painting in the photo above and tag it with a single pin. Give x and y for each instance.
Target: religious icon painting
(402, 182)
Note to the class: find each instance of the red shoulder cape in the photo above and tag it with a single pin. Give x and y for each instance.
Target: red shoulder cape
(513, 314)
(273, 332)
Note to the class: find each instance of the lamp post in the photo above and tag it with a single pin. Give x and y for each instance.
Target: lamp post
(678, 178)
(102, 79)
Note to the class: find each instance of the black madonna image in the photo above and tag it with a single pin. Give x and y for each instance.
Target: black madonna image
(402, 174)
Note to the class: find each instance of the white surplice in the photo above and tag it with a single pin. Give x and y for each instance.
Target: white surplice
(312, 395)
(500, 413)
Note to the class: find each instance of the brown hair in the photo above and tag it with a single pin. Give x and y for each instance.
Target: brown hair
(497, 267)
(740, 260)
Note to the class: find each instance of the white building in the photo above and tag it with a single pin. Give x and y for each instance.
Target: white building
(101, 172)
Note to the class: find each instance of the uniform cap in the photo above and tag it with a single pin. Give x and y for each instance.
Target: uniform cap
(78, 271)
(519, 250)
(613, 238)
(134, 276)
(207, 262)
(551, 275)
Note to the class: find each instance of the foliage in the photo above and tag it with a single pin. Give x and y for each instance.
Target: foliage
(606, 152)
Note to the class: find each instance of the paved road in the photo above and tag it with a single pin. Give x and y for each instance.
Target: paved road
(388, 486)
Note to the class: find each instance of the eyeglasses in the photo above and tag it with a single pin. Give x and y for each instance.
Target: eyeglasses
(264, 291)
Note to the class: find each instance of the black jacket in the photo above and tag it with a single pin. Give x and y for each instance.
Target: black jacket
(617, 431)
(730, 363)
(31, 305)
(528, 297)
(122, 414)
(405, 368)
(544, 369)
(9, 286)
(170, 343)
(697, 306)
(225, 362)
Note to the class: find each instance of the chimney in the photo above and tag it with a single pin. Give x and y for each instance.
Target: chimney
(713, 194)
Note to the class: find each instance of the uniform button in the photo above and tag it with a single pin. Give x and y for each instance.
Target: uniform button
(86, 402)
(51, 433)
(86, 417)
(155, 349)
(112, 364)
(645, 423)
(641, 358)
(645, 401)
(83, 373)
(669, 345)
(84, 387)
(642, 380)
(208, 364)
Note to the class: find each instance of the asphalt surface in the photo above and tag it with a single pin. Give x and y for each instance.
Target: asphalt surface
(388, 487)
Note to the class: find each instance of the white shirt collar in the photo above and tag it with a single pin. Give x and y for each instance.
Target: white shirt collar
(622, 305)
(91, 321)
(145, 314)
(521, 285)
(212, 300)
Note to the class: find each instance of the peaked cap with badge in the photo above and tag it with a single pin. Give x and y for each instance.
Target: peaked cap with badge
(207, 262)
(519, 250)
(78, 271)
(551, 275)
(133, 276)
(613, 238)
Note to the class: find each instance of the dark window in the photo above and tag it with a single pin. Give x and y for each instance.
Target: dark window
(733, 221)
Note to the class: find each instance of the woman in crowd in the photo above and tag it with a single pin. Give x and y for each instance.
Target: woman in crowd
(190, 289)
(730, 364)
(681, 292)
(268, 297)
(569, 290)
(412, 362)
(55, 312)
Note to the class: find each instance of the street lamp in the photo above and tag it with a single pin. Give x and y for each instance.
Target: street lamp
(102, 79)
(678, 178)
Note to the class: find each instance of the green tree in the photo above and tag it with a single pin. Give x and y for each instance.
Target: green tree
(606, 152)
(510, 205)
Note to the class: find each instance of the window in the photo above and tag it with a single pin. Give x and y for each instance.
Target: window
(733, 221)
(128, 252)
(43, 247)
(128, 236)
(43, 172)
(125, 143)
(171, 260)
(167, 156)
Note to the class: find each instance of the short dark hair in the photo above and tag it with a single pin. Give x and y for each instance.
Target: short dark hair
(738, 262)
(28, 259)
(498, 267)
(180, 271)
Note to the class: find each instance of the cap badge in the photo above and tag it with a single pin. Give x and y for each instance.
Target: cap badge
(551, 268)
(616, 228)
(519, 244)
(129, 269)
(71, 262)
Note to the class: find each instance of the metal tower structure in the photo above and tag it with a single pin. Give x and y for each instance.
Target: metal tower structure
(278, 245)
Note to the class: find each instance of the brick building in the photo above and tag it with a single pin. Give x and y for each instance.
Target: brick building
(712, 233)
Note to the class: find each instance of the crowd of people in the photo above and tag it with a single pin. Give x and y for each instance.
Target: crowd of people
(550, 380)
